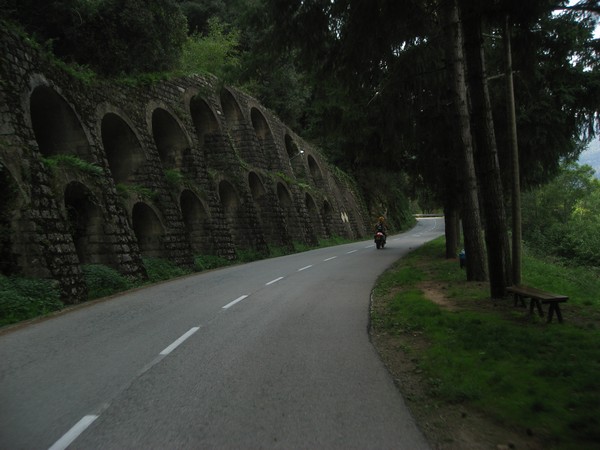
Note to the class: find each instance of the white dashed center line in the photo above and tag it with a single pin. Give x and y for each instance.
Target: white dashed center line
(239, 299)
(73, 433)
(179, 341)
(274, 281)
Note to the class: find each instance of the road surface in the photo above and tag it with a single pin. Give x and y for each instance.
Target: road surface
(270, 354)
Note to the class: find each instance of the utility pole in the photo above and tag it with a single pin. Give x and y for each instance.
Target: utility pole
(516, 183)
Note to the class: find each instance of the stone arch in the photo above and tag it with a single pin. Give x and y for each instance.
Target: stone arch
(195, 218)
(327, 214)
(313, 214)
(123, 149)
(205, 122)
(265, 139)
(295, 155)
(353, 215)
(261, 127)
(56, 127)
(242, 217)
(315, 170)
(257, 188)
(284, 196)
(9, 202)
(85, 220)
(291, 147)
(264, 201)
(287, 205)
(170, 139)
(230, 202)
(341, 192)
(229, 197)
(148, 230)
(231, 107)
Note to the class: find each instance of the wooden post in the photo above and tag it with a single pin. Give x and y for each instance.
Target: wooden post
(516, 184)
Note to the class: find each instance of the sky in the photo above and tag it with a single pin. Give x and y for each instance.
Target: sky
(591, 156)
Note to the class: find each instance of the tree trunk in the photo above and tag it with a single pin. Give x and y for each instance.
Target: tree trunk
(486, 158)
(474, 247)
(516, 172)
(452, 230)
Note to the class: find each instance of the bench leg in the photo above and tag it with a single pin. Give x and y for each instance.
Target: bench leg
(554, 307)
(518, 299)
(535, 302)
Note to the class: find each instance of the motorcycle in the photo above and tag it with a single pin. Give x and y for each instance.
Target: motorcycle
(379, 239)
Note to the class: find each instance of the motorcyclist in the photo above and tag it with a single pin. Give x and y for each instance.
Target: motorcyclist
(380, 226)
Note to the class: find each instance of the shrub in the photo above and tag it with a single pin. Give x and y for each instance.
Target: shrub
(74, 162)
(25, 298)
(214, 53)
(161, 269)
(207, 262)
(174, 177)
(103, 281)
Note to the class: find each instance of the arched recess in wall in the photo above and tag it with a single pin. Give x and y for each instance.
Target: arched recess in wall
(195, 218)
(234, 121)
(353, 216)
(295, 155)
(85, 223)
(170, 139)
(230, 202)
(315, 170)
(231, 108)
(265, 139)
(313, 213)
(327, 214)
(342, 192)
(257, 188)
(286, 203)
(9, 202)
(57, 128)
(123, 149)
(206, 125)
(259, 197)
(148, 230)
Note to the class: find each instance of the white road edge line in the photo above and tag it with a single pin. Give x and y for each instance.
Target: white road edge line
(179, 341)
(73, 433)
(273, 281)
(304, 268)
(351, 251)
(239, 299)
(329, 259)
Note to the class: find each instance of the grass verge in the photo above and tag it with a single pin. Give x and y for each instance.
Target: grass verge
(490, 357)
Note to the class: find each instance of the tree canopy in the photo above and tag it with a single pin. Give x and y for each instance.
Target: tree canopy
(371, 81)
(113, 37)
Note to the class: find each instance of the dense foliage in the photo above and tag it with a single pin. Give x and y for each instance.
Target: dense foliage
(563, 216)
(113, 37)
(213, 53)
(24, 298)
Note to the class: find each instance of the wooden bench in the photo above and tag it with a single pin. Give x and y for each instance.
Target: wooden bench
(537, 297)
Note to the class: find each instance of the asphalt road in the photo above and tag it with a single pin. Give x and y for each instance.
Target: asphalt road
(271, 354)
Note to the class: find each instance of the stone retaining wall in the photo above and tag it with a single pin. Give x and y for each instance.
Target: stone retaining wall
(109, 173)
